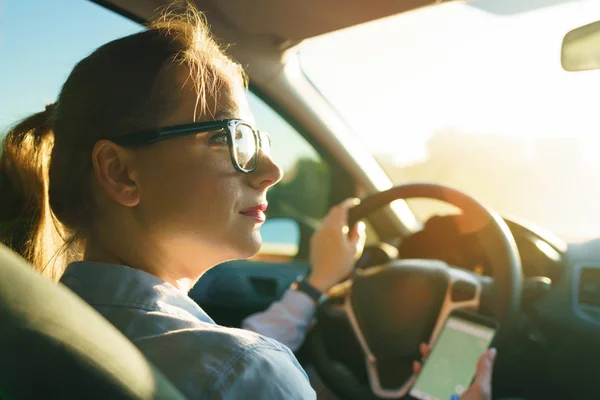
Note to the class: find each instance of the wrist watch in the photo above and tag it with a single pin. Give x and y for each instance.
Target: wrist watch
(302, 285)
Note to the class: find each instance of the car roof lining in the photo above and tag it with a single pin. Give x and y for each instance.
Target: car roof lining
(284, 21)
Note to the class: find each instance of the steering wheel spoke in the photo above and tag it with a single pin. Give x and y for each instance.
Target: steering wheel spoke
(371, 359)
(464, 293)
(464, 289)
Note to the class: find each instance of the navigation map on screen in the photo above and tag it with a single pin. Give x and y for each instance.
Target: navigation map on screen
(451, 365)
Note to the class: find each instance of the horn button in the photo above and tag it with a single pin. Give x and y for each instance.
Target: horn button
(397, 306)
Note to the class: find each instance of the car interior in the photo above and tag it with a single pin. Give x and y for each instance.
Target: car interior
(523, 249)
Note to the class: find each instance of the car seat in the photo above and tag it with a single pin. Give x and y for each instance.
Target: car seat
(54, 345)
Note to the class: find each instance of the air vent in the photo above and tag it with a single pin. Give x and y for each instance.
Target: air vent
(589, 287)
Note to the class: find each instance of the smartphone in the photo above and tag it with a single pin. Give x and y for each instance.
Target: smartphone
(450, 367)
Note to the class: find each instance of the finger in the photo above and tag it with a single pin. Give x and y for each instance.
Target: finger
(362, 238)
(349, 203)
(485, 367)
(340, 212)
(330, 219)
(481, 389)
(357, 233)
(416, 367)
(424, 349)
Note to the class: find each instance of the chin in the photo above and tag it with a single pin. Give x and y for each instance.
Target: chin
(249, 247)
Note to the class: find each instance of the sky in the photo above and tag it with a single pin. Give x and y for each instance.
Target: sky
(30, 59)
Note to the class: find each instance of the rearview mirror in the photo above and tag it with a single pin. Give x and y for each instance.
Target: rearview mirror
(581, 48)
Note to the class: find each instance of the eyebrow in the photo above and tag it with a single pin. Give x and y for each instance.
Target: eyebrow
(228, 113)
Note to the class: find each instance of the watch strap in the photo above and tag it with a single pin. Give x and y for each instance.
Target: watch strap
(302, 285)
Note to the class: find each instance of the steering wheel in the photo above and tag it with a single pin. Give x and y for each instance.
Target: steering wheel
(379, 317)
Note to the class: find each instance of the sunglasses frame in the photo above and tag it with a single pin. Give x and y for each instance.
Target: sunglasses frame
(151, 136)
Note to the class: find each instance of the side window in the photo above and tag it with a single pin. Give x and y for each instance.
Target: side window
(301, 199)
(40, 43)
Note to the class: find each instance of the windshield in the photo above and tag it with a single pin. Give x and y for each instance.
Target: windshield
(474, 96)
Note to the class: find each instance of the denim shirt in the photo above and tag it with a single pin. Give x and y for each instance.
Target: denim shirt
(204, 360)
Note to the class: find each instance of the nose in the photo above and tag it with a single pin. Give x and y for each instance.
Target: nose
(266, 174)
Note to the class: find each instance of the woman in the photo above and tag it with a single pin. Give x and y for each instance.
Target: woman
(148, 169)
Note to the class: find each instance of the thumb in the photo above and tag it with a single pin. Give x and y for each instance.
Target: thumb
(357, 232)
(358, 237)
(481, 389)
(345, 206)
(485, 368)
(338, 215)
(349, 203)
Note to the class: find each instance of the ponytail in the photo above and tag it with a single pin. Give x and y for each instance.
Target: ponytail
(27, 223)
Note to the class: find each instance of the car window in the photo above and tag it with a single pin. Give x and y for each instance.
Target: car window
(302, 196)
(40, 43)
(492, 114)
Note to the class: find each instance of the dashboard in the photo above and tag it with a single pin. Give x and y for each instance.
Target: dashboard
(542, 254)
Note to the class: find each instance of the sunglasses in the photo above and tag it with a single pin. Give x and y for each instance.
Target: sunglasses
(243, 140)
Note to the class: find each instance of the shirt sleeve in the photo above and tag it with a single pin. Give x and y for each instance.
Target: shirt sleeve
(286, 320)
(216, 363)
(264, 374)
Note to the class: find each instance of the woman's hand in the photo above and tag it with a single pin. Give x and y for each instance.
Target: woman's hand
(481, 389)
(335, 247)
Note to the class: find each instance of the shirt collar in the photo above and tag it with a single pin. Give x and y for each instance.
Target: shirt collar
(102, 284)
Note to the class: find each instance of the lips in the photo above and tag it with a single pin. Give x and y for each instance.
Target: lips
(257, 212)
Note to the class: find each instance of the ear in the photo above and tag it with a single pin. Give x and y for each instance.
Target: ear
(114, 172)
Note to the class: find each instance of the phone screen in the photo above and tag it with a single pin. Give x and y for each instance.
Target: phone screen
(451, 365)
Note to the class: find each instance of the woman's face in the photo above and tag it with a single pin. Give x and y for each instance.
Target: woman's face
(193, 203)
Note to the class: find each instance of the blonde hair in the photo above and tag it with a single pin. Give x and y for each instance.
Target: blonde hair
(45, 167)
